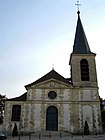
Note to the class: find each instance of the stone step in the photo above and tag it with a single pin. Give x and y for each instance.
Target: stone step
(51, 133)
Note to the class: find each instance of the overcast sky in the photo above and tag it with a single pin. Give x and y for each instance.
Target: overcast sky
(35, 34)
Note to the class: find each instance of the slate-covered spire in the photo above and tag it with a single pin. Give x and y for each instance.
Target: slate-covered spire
(81, 45)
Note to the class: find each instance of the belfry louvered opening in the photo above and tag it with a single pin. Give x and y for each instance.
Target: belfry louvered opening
(84, 70)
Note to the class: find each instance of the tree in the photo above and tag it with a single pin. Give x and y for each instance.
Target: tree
(102, 106)
(2, 104)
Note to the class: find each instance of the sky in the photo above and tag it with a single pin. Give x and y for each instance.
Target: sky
(37, 35)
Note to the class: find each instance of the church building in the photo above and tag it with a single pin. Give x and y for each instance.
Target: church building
(55, 103)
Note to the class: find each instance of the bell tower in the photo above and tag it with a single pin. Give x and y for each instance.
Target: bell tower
(82, 60)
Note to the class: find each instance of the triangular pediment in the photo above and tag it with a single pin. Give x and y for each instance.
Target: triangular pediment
(51, 83)
(50, 78)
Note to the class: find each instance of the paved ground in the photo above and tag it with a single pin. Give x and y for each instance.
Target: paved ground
(90, 137)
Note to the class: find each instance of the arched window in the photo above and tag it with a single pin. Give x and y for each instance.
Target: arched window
(84, 70)
(52, 118)
(16, 112)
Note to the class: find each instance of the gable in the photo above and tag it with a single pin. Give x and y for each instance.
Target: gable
(51, 83)
(52, 75)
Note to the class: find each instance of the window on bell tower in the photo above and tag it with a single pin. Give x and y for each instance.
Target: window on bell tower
(84, 70)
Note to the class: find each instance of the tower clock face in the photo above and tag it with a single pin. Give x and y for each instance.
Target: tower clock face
(52, 95)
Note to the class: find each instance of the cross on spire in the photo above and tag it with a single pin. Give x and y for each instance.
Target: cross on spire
(78, 4)
(52, 66)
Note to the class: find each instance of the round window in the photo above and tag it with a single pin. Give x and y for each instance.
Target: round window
(52, 95)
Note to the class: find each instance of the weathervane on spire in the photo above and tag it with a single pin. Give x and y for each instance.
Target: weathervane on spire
(78, 4)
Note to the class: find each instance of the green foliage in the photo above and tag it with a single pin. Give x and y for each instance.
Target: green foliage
(2, 104)
(102, 106)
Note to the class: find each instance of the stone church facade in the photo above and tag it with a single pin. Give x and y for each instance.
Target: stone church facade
(55, 103)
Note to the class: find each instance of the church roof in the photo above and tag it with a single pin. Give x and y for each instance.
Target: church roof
(52, 74)
(81, 45)
(23, 97)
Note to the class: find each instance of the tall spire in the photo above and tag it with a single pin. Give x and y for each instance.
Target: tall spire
(80, 42)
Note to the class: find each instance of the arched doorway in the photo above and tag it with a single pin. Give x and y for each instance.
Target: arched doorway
(52, 118)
